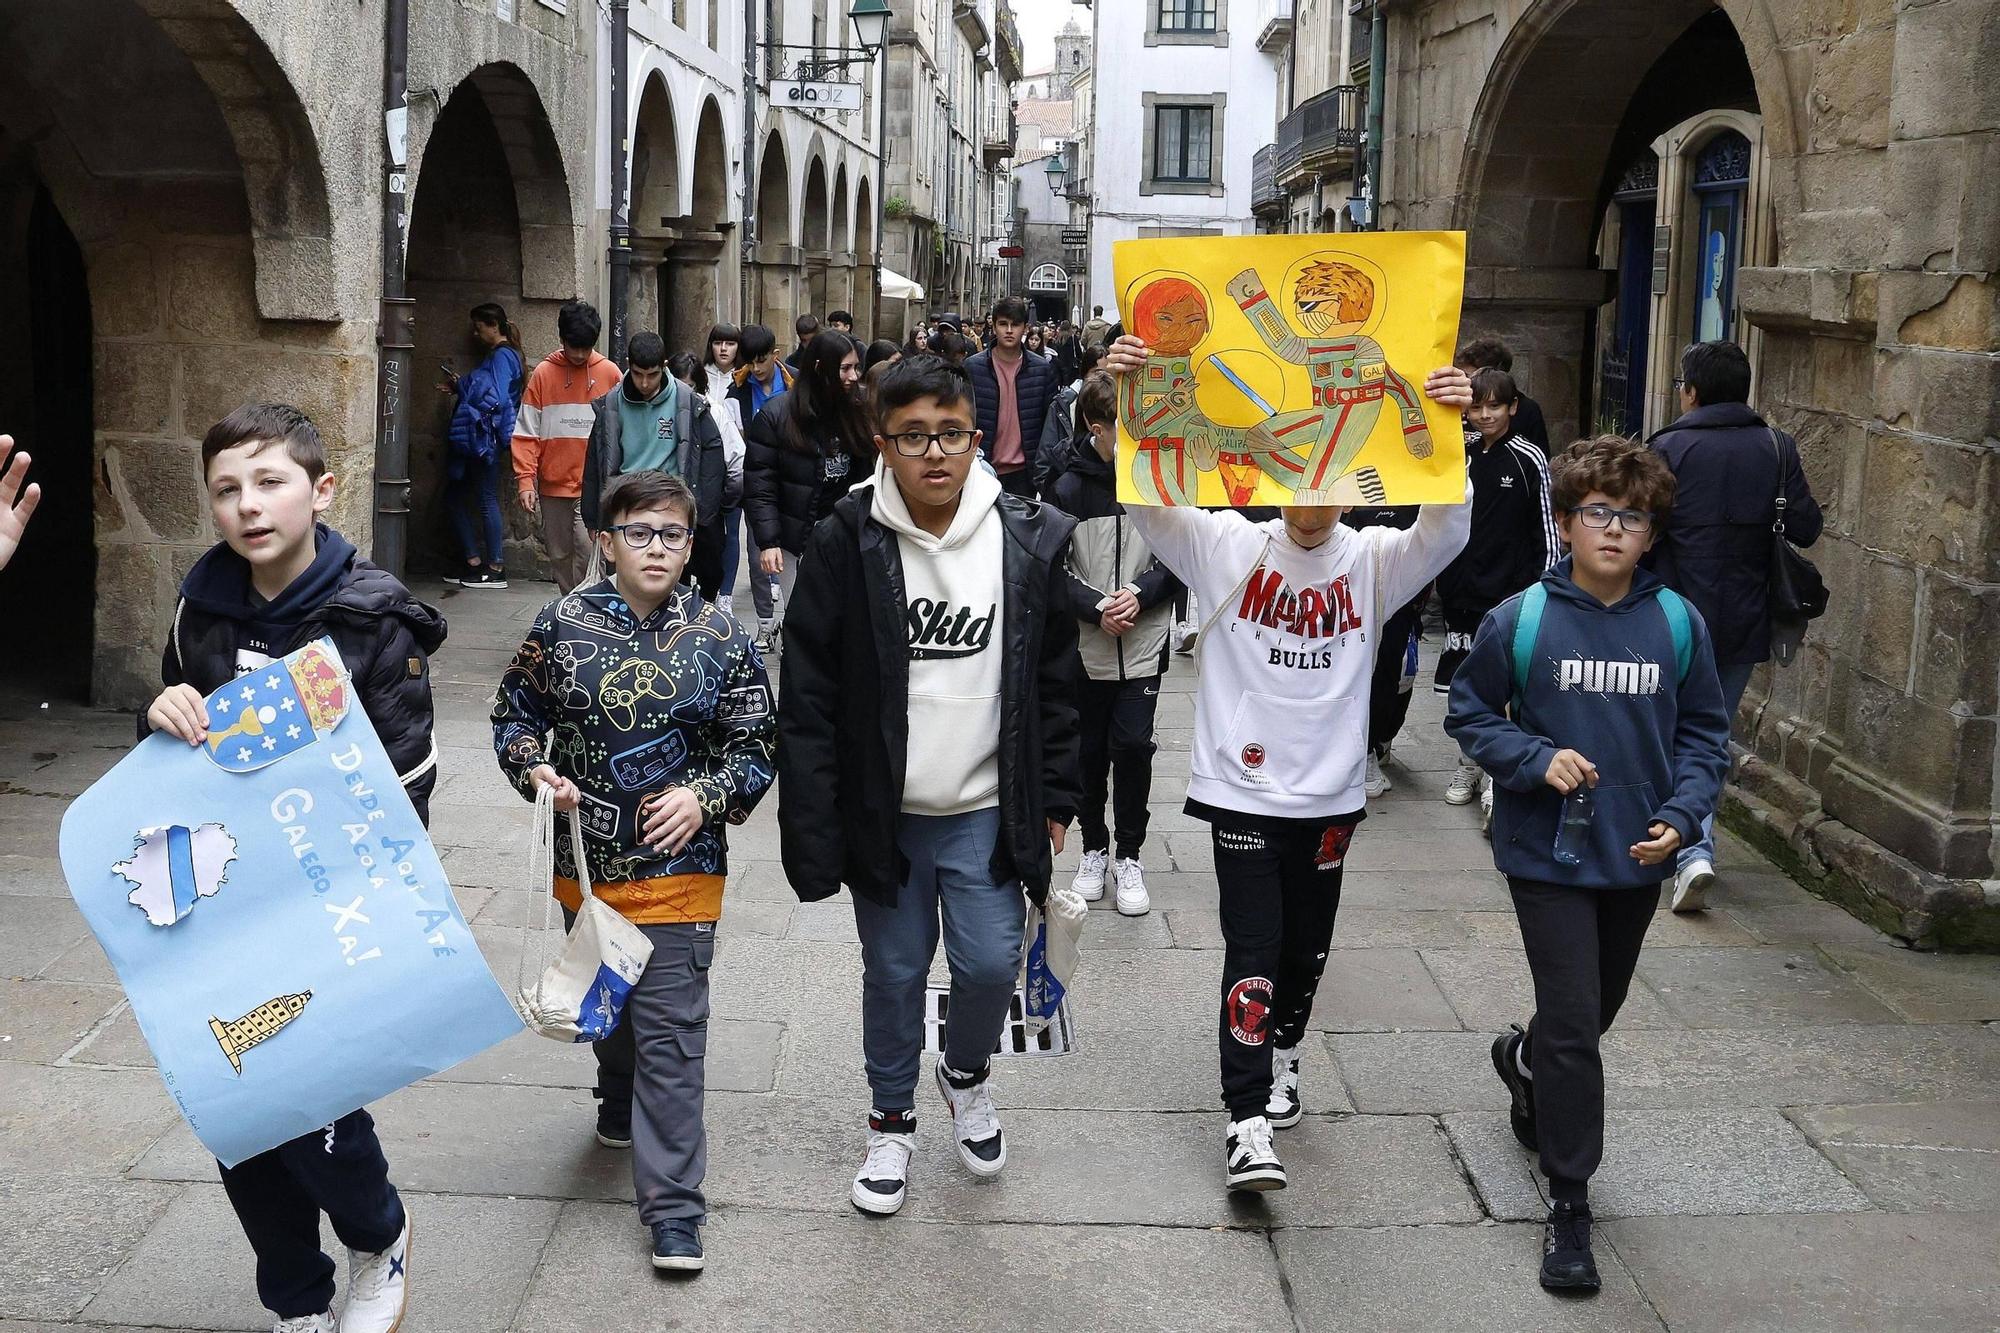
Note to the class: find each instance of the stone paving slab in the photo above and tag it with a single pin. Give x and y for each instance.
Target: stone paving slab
(1914, 1157)
(1819, 1273)
(1923, 987)
(1491, 987)
(32, 874)
(470, 1261)
(1757, 988)
(79, 1122)
(849, 1274)
(1416, 1073)
(1444, 1280)
(1379, 990)
(40, 1020)
(64, 1238)
(1706, 1162)
(35, 929)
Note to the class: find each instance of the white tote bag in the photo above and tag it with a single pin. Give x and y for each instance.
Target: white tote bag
(1048, 961)
(582, 994)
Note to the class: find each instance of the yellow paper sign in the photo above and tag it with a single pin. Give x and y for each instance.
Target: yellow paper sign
(1290, 369)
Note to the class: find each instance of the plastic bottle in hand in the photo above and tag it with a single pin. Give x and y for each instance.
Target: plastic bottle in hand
(1573, 830)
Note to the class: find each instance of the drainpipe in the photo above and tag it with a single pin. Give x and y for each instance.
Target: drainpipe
(396, 322)
(621, 207)
(1378, 78)
(748, 227)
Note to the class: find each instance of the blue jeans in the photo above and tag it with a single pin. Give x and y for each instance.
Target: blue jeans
(951, 876)
(732, 548)
(478, 487)
(1735, 679)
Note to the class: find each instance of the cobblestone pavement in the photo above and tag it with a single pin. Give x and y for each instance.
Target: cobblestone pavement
(1804, 1129)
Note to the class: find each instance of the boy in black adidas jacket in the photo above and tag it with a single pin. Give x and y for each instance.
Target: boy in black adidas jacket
(1597, 677)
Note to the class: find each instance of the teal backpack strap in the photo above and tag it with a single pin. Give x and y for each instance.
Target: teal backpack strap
(1527, 628)
(1676, 609)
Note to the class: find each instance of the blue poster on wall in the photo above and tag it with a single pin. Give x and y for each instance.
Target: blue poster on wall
(276, 913)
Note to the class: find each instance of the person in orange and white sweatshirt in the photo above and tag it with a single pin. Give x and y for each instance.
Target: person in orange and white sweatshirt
(551, 432)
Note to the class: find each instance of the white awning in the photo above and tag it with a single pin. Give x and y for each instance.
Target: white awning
(896, 287)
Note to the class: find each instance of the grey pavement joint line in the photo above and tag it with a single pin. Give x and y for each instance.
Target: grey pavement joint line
(68, 1057)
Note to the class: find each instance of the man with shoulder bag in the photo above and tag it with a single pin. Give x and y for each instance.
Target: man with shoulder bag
(1742, 504)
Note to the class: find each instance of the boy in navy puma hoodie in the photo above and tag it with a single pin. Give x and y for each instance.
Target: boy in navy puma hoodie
(1598, 677)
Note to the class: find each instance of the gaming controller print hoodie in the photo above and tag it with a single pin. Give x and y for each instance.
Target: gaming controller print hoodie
(627, 708)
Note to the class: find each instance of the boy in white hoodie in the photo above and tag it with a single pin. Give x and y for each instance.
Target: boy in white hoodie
(1293, 607)
(928, 749)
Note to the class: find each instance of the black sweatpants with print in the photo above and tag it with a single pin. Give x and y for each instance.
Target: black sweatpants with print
(1388, 700)
(1279, 888)
(1582, 945)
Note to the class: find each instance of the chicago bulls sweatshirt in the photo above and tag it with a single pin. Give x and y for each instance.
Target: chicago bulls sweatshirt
(952, 587)
(1287, 645)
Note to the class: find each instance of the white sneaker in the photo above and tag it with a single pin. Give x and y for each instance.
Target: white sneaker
(1185, 634)
(1089, 880)
(1376, 783)
(306, 1323)
(1464, 785)
(879, 1184)
(1131, 878)
(1253, 1161)
(1691, 886)
(1284, 1109)
(378, 1288)
(1486, 806)
(975, 1123)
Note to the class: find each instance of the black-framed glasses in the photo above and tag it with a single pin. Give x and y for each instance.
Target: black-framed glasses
(1629, 520)
(639, 536)
(917, 443)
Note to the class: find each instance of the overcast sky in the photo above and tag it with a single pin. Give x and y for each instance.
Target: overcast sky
(1039, 21)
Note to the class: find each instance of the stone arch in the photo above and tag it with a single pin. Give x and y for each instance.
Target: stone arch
(814, 216)
(774, 195)
(539, 180)
(656, 169)
(709, 209)
(142, 254)
(837, 240)
(864, 259)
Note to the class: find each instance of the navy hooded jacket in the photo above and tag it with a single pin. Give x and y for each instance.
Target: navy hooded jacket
(1603, 682)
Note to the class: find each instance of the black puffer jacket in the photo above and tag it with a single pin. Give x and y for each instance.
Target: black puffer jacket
(1716, 548)
(384, 634)
(843, 715)
(787, 489)
(1034, 390)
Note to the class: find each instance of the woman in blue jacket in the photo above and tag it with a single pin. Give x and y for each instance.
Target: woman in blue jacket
(482, 430)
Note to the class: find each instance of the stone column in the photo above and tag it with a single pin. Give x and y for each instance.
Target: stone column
(691, 290)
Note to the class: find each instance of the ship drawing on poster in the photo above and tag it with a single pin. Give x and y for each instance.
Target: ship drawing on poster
(173, 867)
(267, 1020)
(1303, 390)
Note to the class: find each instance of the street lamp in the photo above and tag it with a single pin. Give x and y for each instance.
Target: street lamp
(871, 28)
(1056, 170)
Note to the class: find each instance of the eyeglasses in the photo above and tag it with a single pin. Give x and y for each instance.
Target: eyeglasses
(917, 443)
(1629, 520)
(639, 536)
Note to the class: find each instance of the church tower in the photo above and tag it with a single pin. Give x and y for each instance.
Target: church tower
(1072, 58)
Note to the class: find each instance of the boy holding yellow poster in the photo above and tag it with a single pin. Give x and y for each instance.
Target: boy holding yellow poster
(1293, 605)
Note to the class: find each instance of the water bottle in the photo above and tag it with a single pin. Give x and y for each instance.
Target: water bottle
(1573, 830)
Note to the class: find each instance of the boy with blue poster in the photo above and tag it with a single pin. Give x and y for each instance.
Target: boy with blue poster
(1592, 700)
(648, 710)
(277, 580)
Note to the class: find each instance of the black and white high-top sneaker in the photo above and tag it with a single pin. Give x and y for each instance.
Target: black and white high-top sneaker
(1507, 1063)
(1284, 1109)
(878, 1185)
(1252, 1161)
(975, 1120)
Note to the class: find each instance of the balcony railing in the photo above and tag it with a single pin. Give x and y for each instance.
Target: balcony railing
(1266, 199)
(1319, 133)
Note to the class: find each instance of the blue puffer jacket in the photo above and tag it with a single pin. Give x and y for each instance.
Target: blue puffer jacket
(1604, 681)
(1034, 389)
(482, 423)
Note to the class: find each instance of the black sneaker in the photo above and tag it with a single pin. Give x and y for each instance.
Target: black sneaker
(486, 577)
(614, 1122)
(1251, 1162)
(1521, 1113)
(464, 574)
(677, 1246)
(1567, 1263)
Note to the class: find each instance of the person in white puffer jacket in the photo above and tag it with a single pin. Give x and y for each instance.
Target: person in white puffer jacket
(1293, 607)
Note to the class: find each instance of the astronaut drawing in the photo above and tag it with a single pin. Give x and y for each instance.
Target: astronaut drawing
(1176, 440)
(1309, 450)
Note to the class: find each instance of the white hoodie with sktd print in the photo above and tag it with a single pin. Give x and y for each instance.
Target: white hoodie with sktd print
(953, 589)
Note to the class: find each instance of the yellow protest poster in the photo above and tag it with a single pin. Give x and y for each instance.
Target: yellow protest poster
(1290, 369)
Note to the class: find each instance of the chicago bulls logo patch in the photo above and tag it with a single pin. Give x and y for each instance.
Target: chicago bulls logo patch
(1248, 1010)
(1333, 847)
(1253, 755)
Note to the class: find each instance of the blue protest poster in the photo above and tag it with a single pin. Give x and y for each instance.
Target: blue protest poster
(277, 914)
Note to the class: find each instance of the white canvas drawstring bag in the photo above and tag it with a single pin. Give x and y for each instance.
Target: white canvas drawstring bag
(1049, 958)
(582, 994)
